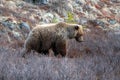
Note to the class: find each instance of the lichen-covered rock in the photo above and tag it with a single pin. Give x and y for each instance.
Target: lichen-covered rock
(11, 5)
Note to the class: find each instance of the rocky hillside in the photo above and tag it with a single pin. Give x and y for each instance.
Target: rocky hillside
(18, 17)
(98, 58)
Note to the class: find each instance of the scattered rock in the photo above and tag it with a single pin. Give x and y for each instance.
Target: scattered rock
(8, 24)
(24, 27)
(57, 18)
(80, 2)
(11, 5)
(86, 8)
(69, 7)
(77, 19)
(48, 17)
(83, 21)
(106, 12)
(117, 17)
(117, 28)
(115, 1)
(87, 30)
(20, 4)
(97, 23)
(112, 22)
(16, 35)
(100, 12)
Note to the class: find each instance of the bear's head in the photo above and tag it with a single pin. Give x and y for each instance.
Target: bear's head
(75, 31)
(79, 33)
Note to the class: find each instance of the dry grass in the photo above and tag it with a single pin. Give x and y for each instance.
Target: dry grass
(98, 58)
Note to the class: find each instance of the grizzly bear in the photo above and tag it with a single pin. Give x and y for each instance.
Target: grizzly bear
(52, 36)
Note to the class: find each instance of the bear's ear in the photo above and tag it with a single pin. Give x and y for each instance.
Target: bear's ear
(76, 27)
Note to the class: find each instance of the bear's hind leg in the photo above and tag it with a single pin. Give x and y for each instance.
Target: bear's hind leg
(45, 52)
(25, 52)
(55, 52)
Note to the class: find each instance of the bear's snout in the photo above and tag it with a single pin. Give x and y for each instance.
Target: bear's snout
(79, 39)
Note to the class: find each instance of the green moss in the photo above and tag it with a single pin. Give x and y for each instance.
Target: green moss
(70, 18)
(55, 20)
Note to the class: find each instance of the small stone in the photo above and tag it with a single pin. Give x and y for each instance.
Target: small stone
(20, 4)
(11, 5)
(83, 21)
(115, 1)
(106, 12)
(25, 27)
(8, 24)
(86, 8)
(48, 17)
(80, 1)
(16, 35)
(87, 30)
(112, 22)
(57, 18)
(69, 7)
(97, 23)
(44, 2)
(117, 28)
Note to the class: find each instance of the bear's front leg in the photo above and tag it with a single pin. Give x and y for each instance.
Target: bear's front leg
(60, 48)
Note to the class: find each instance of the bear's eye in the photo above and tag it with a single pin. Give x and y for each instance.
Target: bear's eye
(76, 27)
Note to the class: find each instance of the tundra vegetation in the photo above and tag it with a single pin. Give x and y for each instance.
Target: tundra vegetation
(97, 58)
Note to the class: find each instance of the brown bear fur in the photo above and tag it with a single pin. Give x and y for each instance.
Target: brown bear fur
(52, 36)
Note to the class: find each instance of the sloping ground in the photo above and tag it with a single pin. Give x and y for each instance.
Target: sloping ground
(98, 58)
